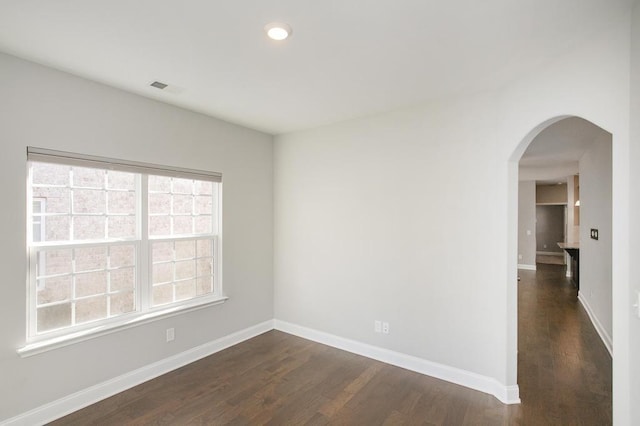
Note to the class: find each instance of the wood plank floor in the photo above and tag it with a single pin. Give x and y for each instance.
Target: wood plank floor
(278, 379)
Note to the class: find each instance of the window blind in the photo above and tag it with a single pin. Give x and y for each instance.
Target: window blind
(91, 161)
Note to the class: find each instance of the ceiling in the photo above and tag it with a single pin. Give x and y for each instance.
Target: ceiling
(554, 154)
(345, 59)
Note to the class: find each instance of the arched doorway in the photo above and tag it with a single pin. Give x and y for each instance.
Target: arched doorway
(598, 268)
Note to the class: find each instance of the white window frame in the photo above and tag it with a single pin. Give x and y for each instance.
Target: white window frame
(42, 203)
(145, 312)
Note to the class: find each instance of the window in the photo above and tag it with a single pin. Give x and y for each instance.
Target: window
(111, 240)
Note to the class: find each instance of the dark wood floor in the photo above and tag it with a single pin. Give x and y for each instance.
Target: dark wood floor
(278, 379)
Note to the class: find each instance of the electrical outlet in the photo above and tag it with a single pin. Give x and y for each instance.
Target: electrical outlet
(519, 257)
(377, 326)
(171, 334)
(385, 328)
(594, 234)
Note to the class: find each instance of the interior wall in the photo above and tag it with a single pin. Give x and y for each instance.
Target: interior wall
(373, 222)
(551, 194)
(527, 224)
(550, 223)
(595, 255)
(50, 109)
(630, 318)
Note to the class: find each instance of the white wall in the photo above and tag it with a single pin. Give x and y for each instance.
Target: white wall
(527, 224)
(595, 255)
(630, 320)
(50, 109)
(389, 218)
(411, 216)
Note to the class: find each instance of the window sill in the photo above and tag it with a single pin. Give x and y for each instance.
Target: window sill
(46, 345)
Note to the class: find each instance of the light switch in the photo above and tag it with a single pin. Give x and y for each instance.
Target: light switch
(528, 231)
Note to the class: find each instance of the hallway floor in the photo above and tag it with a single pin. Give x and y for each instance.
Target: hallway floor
(564, 368)
(279, 379)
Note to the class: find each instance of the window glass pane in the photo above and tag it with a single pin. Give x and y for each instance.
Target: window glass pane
(50, 174)
(204, 248)
(203, 205)
(159, 225)
(76, 206)
(162, 252)
(162, 294)
(56, 228)
(121, 227)
(52, 317)
(91, 309)
(56, 200)
(121, 255)
(181, 186)
(185, 269)
(162, 273)
(122, 279)
(203, 225)
(205, 266)
(182, 225)
(89, 227)
(54, 289)
(202, 187)
(91, 283)
(159, 203)
(185, 249)
(122, 303)
(121, 180)
(185, 290)
(182, 204)
(121, 202)
(204, 285)
(159, 184)
(88, 178)
(89, 201)
(90, 258)
(54, 262)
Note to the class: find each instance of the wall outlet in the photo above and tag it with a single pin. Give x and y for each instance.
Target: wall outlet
(385, 328)
(171, 334)
(545, 246)
(528, 231)
(377, 326)
(519, 257)
(594, 234)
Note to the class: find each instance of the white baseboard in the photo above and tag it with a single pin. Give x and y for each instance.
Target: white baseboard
(68, 404)
(506, 394)
(606, 339)
(76, 401)
(527, 267)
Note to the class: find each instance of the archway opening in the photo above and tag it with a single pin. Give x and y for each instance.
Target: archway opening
(575, 154)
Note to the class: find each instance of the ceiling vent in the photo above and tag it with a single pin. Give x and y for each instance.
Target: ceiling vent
(158, 85)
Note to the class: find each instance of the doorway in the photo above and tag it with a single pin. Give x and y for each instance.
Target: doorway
(551, 224)
(561, 150)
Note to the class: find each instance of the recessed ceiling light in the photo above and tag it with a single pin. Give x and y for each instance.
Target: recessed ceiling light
(277, 31)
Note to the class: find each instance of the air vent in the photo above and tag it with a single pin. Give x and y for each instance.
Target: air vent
(158, 85)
